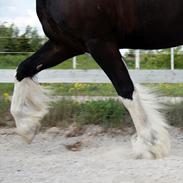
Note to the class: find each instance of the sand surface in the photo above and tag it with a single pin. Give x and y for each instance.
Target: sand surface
(103, 158)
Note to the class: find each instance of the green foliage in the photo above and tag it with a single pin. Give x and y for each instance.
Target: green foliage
(109, 113)
(83, 62)
(11, 61)
(4, 104)
(12, 41)
(173, 90)
(62, 113)
(5, 117)
(6, 88)
(87, 62)
(79, 89)
(5, 93)
(155, 59)
(97, 89)
(6, 35)
(84, 89)
(174, 114)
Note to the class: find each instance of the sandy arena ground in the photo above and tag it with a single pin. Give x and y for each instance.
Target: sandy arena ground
(103, 158)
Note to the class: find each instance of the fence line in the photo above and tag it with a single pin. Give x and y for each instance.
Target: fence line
(172, 60)
(97, 76)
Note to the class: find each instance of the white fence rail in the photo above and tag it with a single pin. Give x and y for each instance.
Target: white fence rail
(97, 76)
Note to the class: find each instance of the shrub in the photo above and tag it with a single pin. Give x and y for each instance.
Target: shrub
(62, 113)
(5, 116)
(174, 114)
(158, 60)
(108, 113)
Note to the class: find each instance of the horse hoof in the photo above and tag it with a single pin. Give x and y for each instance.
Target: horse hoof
(145, 155)
(28, 133)
(146, 147)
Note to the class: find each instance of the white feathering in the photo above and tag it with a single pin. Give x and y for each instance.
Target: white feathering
(152, 138)
(28, 107)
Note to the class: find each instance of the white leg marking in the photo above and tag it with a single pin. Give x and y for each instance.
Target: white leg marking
(28, 106)
(152, 138)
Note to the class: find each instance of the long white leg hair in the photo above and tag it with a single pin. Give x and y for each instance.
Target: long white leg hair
(28, 107)
(152, 137)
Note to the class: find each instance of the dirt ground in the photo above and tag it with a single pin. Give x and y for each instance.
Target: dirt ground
(102, 158)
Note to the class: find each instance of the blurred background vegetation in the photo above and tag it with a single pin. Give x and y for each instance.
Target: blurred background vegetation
(16, 45)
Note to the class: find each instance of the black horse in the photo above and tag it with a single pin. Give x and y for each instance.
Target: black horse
(101, 27)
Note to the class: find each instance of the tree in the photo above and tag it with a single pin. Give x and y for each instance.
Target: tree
(7, 34)
(11, 40)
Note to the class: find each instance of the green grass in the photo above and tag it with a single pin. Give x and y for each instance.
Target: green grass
(174, 114)
(108, 114)
(108, 90)
(78, 89)
(83, 62)
(6, 91)
(172, 90)
(5, 117)
(160, 61)
(148, 61)
(11, 61)
(6, 88)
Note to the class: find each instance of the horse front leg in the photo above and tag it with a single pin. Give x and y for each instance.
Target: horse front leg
(29, 103)
(152, 138)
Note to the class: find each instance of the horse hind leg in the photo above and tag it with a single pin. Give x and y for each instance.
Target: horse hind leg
(152, 138)
(29, 102)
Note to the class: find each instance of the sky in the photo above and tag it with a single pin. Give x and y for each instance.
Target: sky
(19, 12)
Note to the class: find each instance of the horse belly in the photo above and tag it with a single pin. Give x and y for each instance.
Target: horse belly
(79, 19)
(159, 25)
(143, 40)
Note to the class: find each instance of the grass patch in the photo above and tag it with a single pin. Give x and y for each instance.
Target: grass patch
(11, 61)
(78, 89)
(174, 114)
(6, 119)
(173, 90)
(108, 114)
(6, 88)
(62, 113)
(5, 116)
(83, 62)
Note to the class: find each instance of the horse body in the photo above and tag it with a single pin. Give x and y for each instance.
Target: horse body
(135, 24)
(101, 27)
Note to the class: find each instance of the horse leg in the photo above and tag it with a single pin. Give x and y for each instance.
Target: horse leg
(152, 138)
(29, 104)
